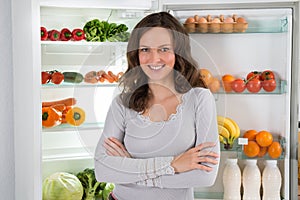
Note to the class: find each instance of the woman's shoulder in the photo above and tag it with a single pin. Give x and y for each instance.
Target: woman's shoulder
(200, 91)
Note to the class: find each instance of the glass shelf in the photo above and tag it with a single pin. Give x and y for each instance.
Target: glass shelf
(67, 127)
(208, 195)
(81, 43)
(238, 147)
(280, 89)
(78, 85)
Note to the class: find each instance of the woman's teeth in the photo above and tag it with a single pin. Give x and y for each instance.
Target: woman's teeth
(156, 67)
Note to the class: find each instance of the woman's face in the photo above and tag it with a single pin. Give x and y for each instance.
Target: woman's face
(156, 54)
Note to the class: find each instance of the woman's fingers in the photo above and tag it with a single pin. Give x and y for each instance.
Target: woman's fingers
(204, 145)
(207, 153)
(115, 148)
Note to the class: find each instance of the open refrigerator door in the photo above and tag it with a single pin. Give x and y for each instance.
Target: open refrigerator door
(232, 41)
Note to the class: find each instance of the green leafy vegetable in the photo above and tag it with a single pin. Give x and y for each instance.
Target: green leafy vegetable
(62, 186)
(100, 31)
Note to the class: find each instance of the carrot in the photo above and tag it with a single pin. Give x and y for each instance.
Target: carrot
(115, 77)
(108, 77)
(59, 107)
(67, 102)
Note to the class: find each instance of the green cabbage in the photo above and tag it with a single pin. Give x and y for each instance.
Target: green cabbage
(62, 186)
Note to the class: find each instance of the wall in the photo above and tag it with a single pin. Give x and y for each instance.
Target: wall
(6, 101)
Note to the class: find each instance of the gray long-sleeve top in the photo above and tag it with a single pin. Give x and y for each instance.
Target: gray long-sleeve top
(153, 145)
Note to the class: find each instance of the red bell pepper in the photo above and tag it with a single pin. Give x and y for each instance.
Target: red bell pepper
(78, 34)
(54, 35)
(44, 33)
(65, 34)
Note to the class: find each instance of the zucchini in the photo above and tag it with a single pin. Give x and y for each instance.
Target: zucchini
(73, 77)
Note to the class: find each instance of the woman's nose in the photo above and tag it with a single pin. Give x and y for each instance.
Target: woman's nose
(155, 56)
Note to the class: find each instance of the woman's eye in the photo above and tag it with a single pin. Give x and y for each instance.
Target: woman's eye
(144, 49)
(164, 49)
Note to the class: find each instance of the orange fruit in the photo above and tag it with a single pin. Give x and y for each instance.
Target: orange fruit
(214, 85)
(206, 76)
(251, 149)
(275, 150)
(250, 134)
(263, 151)
(264, 138)
(227, 79)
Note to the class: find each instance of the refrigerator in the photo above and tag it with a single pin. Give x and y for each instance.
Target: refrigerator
(270, 42)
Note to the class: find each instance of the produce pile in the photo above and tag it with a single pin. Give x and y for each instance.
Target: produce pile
(93, 31)
(82, 186)
(62, 111)
(229, 131)
(58, 77)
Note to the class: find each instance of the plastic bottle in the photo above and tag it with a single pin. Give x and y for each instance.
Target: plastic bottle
(251, 180)
(232, 180)
(271, 181)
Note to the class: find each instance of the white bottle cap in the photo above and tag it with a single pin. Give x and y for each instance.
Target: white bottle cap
(251, 161)
(272, 162)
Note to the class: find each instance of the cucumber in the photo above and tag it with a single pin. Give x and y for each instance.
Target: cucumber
(73, 77)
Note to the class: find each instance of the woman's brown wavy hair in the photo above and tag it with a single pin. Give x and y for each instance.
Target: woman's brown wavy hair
(136, 93)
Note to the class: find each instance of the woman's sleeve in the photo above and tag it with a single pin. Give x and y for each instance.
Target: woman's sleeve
(206, 131)
(118, 169)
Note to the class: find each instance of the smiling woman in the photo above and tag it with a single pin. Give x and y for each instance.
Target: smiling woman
(160, 137)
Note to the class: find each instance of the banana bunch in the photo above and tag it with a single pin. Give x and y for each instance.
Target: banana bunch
(229, 131)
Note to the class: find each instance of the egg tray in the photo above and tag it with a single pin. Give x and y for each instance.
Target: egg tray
(210, 27)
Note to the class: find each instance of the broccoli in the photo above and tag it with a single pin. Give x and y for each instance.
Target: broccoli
(92, 188)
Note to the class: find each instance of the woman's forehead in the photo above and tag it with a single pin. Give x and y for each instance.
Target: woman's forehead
(156, 37)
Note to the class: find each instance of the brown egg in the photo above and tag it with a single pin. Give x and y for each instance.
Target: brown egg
(208, 18)
(222, 18)
(234, 17)
(196, 17)
(228, 20)
(216, 20)
(202, 20)
(241, 20)
(190, 20)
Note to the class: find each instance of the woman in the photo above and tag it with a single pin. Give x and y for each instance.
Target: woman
(160, 137)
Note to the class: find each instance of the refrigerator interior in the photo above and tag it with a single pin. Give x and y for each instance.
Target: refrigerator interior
(266, 44)
(67, 148)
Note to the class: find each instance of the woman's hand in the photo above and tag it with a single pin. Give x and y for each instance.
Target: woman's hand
(115, 148)
(195, 158)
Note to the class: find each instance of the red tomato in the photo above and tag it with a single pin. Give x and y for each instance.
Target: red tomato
(269, 85)
(57, 77)
(254, 75)
(238, 85)
(45, 77)
(267, 74)
(254, 85)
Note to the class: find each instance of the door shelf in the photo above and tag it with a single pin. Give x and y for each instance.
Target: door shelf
(211, 195)
(67, 127)
(238, 147)
(281, 88)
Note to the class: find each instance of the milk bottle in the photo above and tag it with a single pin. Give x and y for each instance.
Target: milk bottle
(232, 180)
(271, 181)
(251, 180)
